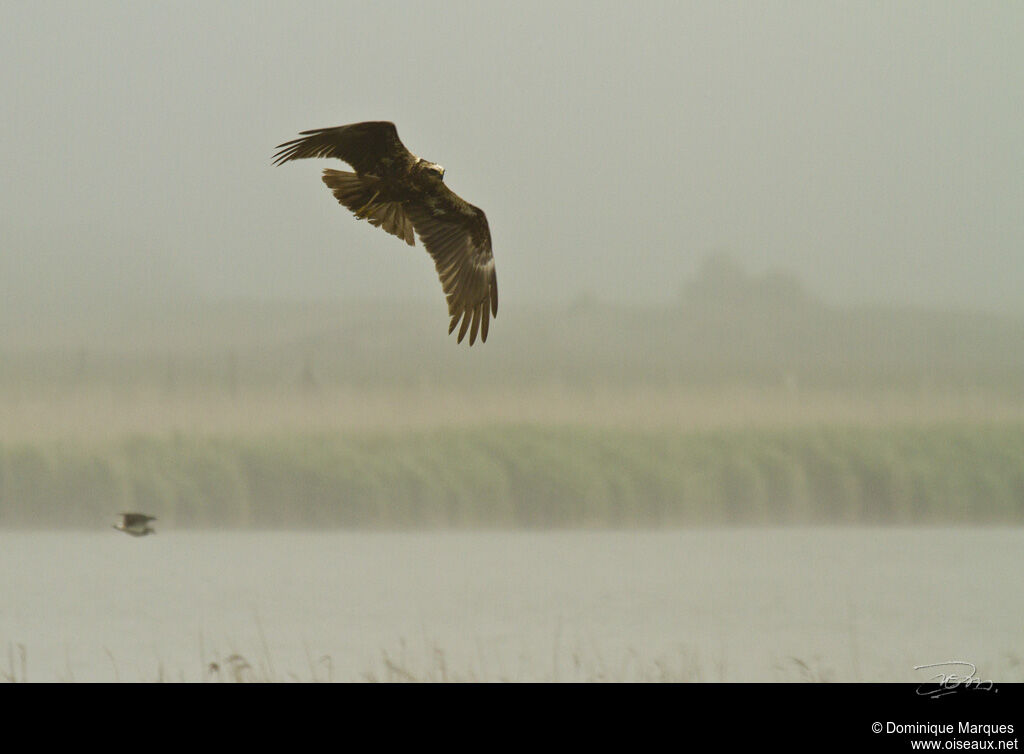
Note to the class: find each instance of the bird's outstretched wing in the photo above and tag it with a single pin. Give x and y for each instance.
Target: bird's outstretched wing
(368, 147)
(457, 237)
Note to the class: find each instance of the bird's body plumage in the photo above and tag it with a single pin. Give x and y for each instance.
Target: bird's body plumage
(399, 192)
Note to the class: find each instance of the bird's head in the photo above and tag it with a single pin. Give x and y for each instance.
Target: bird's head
(433, 168)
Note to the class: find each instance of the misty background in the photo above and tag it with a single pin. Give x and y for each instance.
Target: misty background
(757, 264)
(875, 148)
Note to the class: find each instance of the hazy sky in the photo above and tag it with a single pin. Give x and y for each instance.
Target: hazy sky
(874, 147)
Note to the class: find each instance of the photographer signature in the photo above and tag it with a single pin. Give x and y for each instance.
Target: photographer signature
(945, 682)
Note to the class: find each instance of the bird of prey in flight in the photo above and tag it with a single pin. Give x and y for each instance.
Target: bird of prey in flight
(136, 524)
(394, 189)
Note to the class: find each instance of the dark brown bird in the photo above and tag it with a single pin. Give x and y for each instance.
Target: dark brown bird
(136, 524)
(395, 190)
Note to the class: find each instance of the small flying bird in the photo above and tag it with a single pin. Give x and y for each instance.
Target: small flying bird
(395, 190)
(136, 524)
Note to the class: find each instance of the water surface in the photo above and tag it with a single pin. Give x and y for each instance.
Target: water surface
(710, 605)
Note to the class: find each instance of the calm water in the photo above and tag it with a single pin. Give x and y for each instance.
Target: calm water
(735, 605)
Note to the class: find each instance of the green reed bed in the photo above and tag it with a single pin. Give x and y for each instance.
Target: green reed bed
(526, 476)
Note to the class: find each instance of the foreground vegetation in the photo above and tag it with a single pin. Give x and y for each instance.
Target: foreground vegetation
(526, 477)
(430, 663)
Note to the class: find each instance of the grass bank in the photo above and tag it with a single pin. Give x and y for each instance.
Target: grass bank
(525, 477)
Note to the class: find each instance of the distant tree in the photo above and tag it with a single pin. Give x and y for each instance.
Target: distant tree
(171, 375)
(81, 366)
(308, 381)
(721, 282)
(232, 373)
(719, 279)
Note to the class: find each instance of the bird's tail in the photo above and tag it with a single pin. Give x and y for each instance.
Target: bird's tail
(361, 194)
